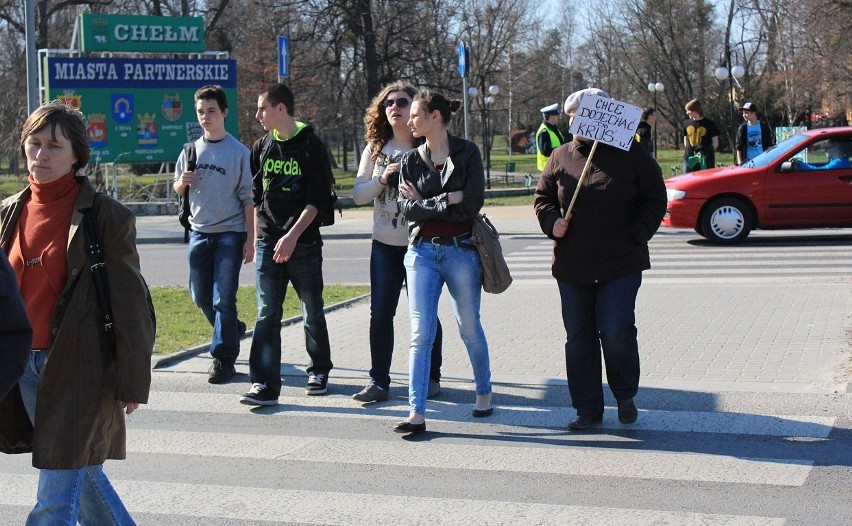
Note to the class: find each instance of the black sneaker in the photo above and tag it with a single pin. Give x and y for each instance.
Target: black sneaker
(259, 395)
(317, 384)
(371, 393)
(220, 372)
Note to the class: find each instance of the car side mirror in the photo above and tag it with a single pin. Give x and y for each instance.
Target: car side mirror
(787, 166)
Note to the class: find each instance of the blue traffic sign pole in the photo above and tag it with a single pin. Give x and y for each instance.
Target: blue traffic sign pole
(463, 60)
(283, 58)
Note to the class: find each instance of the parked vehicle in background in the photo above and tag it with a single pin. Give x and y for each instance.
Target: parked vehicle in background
(803, 182)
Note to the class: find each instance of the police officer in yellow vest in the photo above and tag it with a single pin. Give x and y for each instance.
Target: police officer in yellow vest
(548, 137)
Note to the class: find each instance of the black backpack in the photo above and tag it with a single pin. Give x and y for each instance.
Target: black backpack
(326, 212)
(183, 199)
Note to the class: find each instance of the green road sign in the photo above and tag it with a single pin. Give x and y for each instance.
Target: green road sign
(140, 109)
(141, 34)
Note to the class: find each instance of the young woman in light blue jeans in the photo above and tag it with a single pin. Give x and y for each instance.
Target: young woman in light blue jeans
(442, 192)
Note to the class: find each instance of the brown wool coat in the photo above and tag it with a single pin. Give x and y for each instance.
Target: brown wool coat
(618, 210)
(79, 417)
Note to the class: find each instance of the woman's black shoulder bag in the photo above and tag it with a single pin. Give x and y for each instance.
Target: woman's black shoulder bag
(99, 273)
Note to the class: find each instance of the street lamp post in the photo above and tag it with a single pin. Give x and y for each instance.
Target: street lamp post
(655, 87)
(732, 73)
(486, 101)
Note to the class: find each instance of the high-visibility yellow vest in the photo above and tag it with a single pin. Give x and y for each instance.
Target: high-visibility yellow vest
(556, 140)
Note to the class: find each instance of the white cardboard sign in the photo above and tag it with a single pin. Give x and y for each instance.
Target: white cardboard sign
(606, 120)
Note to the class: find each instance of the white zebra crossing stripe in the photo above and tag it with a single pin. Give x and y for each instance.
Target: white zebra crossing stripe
(820, 264)
(694, 467)
(321, 507)
(675, 263)
(536, 417)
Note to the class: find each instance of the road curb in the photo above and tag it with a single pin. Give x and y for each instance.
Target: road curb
(170, 359)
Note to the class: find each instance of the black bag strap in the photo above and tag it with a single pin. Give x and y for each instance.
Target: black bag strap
(98, 266)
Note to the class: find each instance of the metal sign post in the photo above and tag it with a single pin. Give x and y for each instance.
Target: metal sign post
(283, 58)
(33, 94)
(464, 57)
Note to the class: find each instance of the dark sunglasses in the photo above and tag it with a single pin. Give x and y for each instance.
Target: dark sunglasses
(401, 103)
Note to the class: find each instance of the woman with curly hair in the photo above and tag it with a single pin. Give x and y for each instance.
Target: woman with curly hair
(388, 137)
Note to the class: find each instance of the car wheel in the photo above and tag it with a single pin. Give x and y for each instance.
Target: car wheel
(727, 221)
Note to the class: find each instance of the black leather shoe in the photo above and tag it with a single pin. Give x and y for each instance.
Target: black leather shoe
(371, 393)
(627, 412)
(585, 421)
(408, 427)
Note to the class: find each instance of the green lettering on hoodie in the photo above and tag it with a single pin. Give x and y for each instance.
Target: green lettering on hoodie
(279, 167)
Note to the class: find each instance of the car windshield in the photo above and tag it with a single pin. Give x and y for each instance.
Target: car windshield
(780, 149)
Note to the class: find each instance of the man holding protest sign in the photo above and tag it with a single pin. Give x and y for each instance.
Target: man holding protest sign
(600, 249)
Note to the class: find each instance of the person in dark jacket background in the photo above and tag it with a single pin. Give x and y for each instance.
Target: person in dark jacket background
(599, 253)
(16, 335)
(645, 130)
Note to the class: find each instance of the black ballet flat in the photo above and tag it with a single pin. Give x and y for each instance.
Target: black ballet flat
(408, 427)
(482, 413)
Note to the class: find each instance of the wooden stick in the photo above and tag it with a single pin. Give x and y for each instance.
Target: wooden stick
(580, 180)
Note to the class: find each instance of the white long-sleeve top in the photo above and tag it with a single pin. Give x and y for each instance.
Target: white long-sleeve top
(389, 227)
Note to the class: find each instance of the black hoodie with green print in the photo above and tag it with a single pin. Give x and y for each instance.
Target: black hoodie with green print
(289, 175)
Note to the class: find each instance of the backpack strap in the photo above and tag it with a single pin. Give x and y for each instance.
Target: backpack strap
(265, 149)
(191, 156)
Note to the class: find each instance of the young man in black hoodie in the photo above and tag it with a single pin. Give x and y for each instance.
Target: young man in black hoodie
(292, 180)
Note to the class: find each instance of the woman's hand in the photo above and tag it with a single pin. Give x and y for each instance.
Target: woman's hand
(389, 169)
(561, 226)
(455, 197)
(408, 191)
(130, 406)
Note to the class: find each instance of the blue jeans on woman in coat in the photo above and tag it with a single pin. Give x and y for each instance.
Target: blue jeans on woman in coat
(387, 274)
(600, 316)
(428, 267)
(66, 496)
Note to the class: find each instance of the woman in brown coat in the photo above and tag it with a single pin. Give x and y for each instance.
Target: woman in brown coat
(68, 407)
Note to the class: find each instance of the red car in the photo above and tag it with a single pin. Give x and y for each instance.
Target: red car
(803, 182)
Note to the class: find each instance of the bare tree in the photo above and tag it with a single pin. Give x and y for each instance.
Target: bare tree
(667, 41)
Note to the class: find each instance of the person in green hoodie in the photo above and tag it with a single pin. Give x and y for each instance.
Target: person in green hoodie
(292, 177)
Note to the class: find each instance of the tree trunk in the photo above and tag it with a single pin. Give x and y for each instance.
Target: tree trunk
(371, 63)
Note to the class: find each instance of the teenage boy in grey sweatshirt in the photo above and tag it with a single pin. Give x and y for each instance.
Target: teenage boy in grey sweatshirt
(219, 189)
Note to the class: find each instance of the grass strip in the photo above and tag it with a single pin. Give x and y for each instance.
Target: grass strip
(180, 324)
